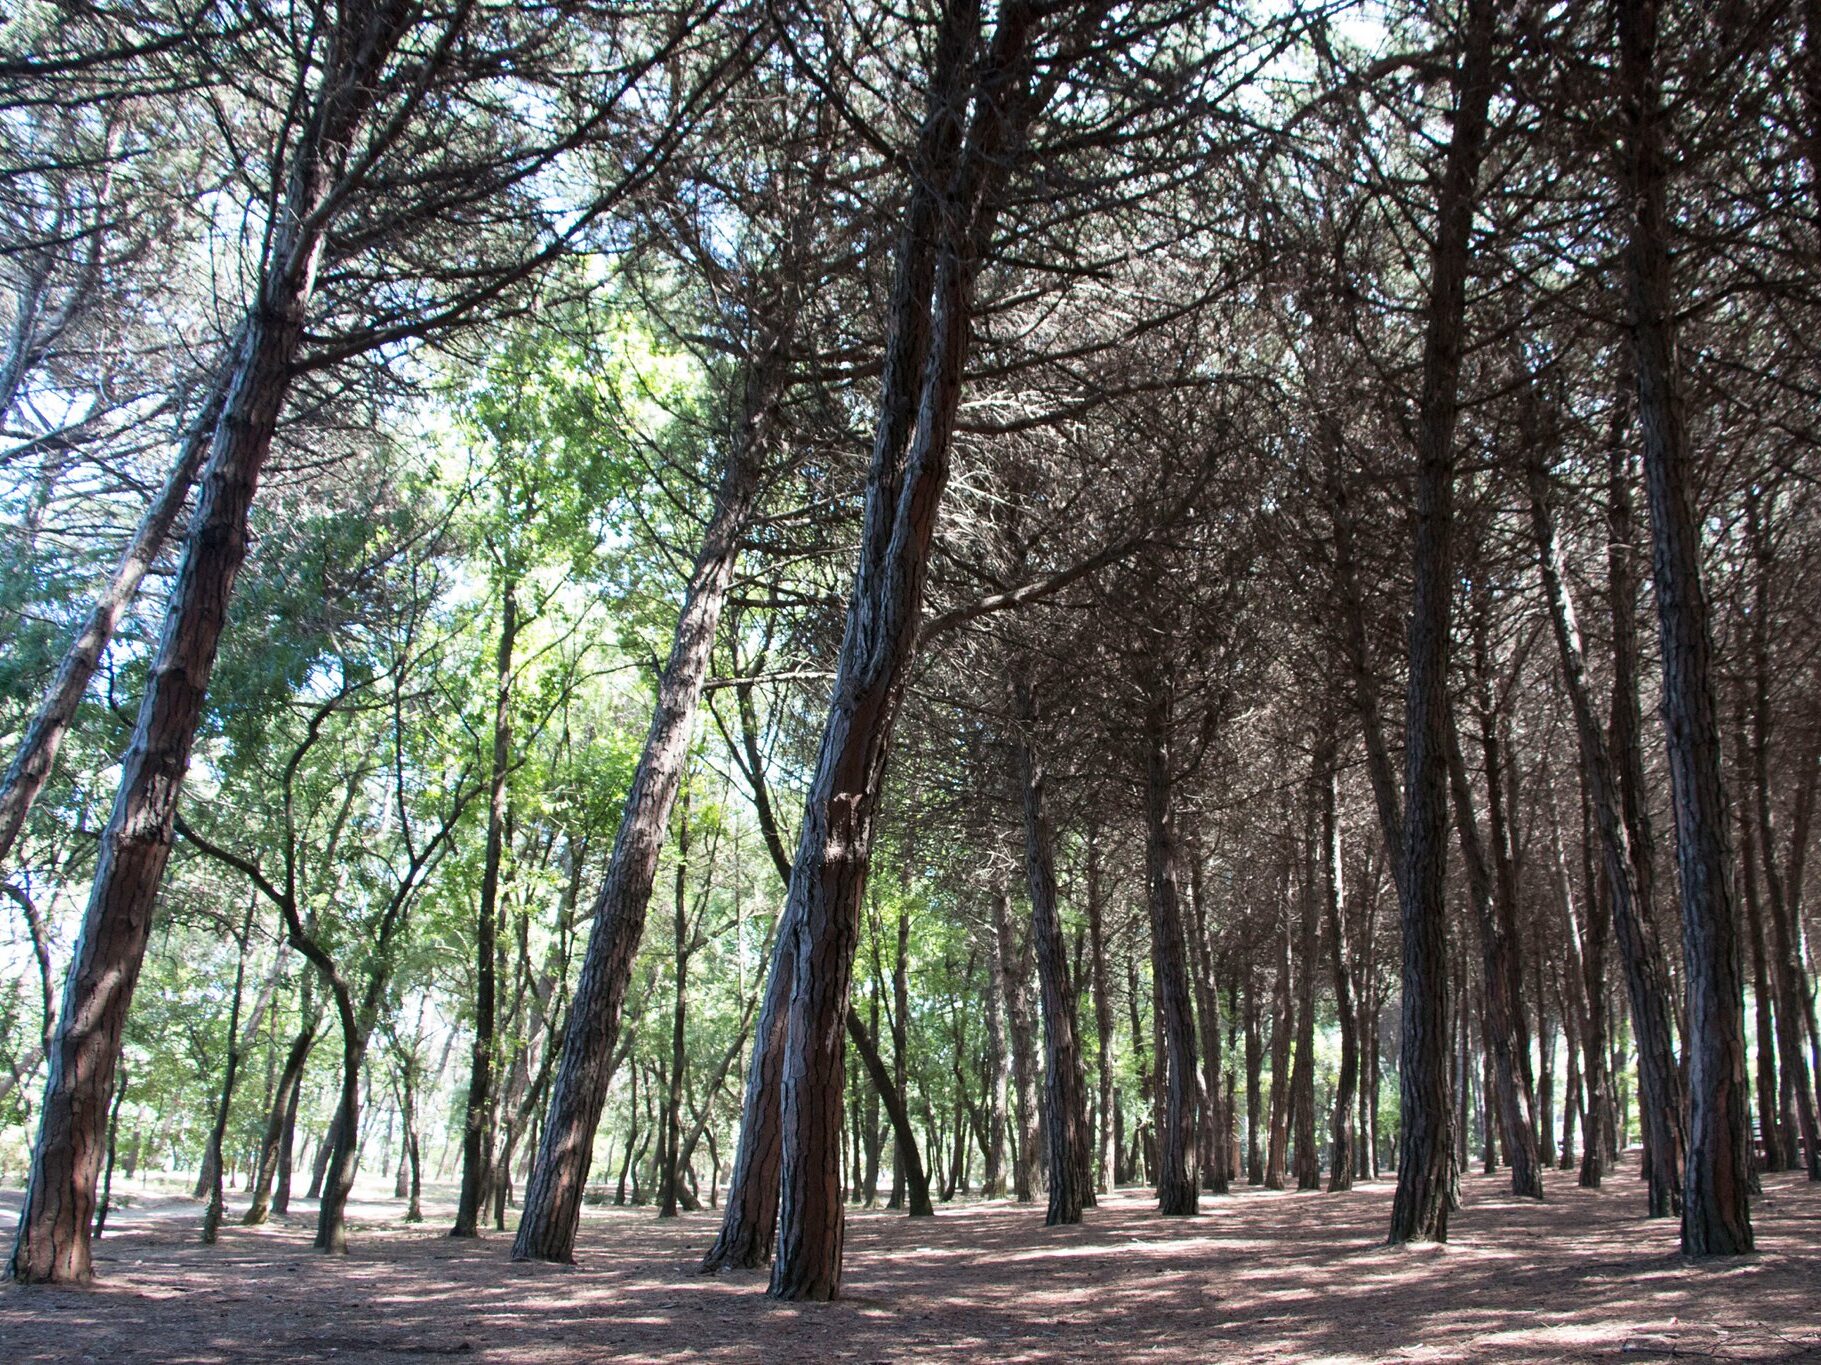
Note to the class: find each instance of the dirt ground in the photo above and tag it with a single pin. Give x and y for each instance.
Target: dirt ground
(1259, 1276)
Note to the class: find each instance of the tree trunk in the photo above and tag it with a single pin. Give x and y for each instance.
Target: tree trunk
(1420, 1210)
(52, 1242)
(211, 1216)
(1644, 971)
(478, 1119)
(1716, 1216)
(1341, 1163)
(915, 1179)
(1505, 1044)
(1791, 980)
(559, 1174)
(1177, 1192)
(1105, 1104)
(31, 766)
(1065, 1100)
(1282, 1026)
(1014, 974)
(1306, 1158)
(283, 1113)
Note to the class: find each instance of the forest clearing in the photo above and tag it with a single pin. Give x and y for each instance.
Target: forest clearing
(958, 679)
(1263, 1276)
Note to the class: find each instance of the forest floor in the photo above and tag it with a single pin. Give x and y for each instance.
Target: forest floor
(1259, 1276)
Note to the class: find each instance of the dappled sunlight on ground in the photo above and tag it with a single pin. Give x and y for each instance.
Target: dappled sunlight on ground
(1259, 1275)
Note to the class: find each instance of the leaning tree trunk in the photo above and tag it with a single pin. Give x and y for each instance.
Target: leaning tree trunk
(1502, 1035)
(749, 1219)
(343, 1150)
(1420, 1209)
(31, 766)
(559, 1174)
(1064, 1097)
(53, 1238)
(52, 1243)
(1716, 1214)
(829, 876)
(284, 1107)
(1660, 1079)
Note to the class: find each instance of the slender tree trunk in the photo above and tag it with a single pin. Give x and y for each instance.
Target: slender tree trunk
(1716, 1216)
(1177, 1192)
(1644, 971)
(1341, 1163)
(1498, 962)
(1014, 974)
(1420, 1210)
(1791, 980)
(559, 1174)
(1255, 1065)
(1065, 1101)
(915, 1178)
(1306, 1161)
(478, 1119)
(52, 1242)
(344, 1149)
(1282, 1026)
(1105, 1105)
(997, 1072)
(37, 753)
(211, 1217)
(283, 1112)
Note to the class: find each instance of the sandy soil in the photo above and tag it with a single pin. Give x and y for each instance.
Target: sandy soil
(1260, 1276)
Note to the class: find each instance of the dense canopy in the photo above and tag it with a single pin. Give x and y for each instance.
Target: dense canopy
(764, 607)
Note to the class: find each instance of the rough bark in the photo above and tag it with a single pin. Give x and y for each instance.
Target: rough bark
(1064, 1096)
(52, 1242)
(559, 1174)
(1177, 1189)
(1716, 1217)
(1420, 1209)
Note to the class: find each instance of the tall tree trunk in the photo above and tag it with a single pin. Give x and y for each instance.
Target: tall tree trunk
(1177, 1192)
(1792, 986)
(1716, 1214)
(1644, 971)
(1420, 1209)
(1503, 1037)
(1306, 1161)
(53, 1238)
(559, 1174)
(1282, 1026)
(1105, 1104)
(283, 1112)
(211, 1216)
(1065, 1100)
(1346, 1082)
(1013, 977)
(1255, 1065)
(478, 1119)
